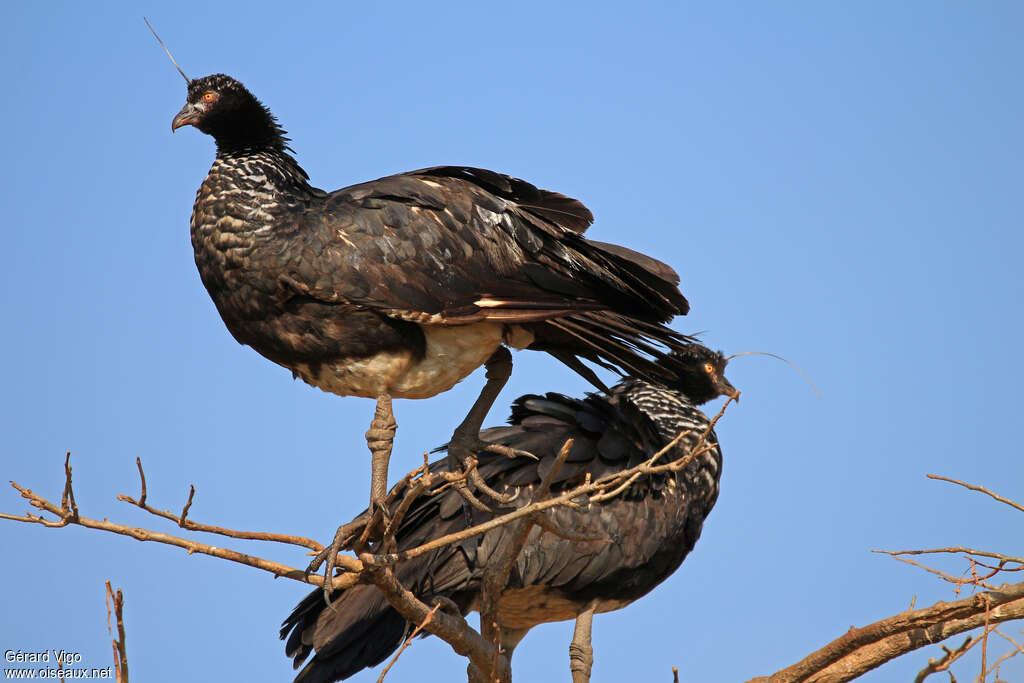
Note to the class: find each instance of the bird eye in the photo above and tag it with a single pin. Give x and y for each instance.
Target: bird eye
(209, 96)
(709, 368)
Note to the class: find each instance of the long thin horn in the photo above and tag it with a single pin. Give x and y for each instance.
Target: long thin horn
(789, 363)
(187, 79)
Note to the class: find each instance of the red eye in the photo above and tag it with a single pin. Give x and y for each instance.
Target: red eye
(709, 368)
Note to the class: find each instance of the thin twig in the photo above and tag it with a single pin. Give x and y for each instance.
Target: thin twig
(954, 549)
(118, 644)
(182, 521)
(142, 477)
(958, 582)
(943, 664)
(408, 640)
(984, 637)
(1017, 649)
(66, 517)
(980, 489)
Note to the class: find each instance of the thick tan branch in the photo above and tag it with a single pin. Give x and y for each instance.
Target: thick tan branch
(861, 649)
(451, 628)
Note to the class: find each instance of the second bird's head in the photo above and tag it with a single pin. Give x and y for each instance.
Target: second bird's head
(220, 106)
(701, 373)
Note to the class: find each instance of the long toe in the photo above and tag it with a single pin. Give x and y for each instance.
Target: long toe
(462, 463)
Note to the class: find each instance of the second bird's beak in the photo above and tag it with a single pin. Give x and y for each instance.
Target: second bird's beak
(188, 116)
(728, 389)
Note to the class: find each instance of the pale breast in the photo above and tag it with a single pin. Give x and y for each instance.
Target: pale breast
(451, 354)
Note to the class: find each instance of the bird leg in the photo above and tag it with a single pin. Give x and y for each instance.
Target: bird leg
(379, 438)
(466, 439)
(581, 654)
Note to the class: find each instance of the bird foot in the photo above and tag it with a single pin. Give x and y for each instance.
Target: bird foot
(447, 605)
(355, 534)
(462, 462)
(507, 451)
(466, 442)
(329, 556)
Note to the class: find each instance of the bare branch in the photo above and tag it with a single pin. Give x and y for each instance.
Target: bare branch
(937, 665)
(980, 489)
(862, 649)
(956, 549)
(182, 521)
(971, 555)
(959, 582)
(451, 628)
(1017, 649)
(118, 644)
(71, 516)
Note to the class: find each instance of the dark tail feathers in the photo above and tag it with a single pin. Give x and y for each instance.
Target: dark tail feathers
(364, 630)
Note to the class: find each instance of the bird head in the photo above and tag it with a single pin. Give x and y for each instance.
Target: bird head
(220, 106)
(701, 373)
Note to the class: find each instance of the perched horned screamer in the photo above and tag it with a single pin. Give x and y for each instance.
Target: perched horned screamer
(400, 287)
(634, 540)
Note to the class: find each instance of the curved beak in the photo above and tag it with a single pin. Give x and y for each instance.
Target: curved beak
(188, 116)
(728, 389)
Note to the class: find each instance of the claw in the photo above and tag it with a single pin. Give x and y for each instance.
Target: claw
(343, 540)
(329, 556)
(467, 495)
(467, 478)
(507, 451)
(476, 480)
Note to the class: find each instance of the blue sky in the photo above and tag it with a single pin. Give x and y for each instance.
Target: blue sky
(835, 182)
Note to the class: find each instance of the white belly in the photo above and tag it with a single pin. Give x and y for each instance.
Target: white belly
(452, 353)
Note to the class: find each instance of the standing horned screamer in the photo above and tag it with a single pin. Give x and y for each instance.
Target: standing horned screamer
(402, 286)
(635, 539)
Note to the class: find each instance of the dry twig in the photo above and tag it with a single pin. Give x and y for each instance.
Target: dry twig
(185, 523)
(942, 664)
(118, 644)
(67, 513)
(416, 631)
(980, 489)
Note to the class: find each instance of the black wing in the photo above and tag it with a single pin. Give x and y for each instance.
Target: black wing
(457, 245)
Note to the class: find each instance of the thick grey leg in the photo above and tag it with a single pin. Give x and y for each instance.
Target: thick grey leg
(379, 438)
(581, 654)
